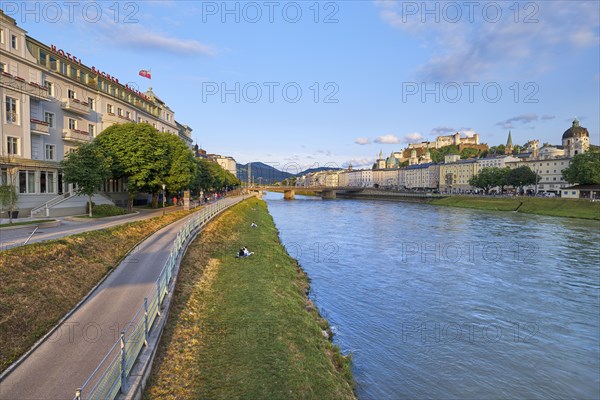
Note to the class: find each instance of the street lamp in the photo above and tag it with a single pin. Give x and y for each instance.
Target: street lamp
(164, 197)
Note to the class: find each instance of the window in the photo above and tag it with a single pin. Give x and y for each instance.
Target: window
(3, 68)
(1, 35)
(72, 123)
(127, 114)
(50, 151)
(139, 120)
(119, 112)
(43, 58)
(3, 176)
(91, 129)
(72, 72)
(12, 110)
(92, 103)
(14, 42)
(12, 145)
(49, 118)
(63, 68)
(47, 182)
(109, 108)
(53, 64)
(26, 181)
(71, 94)
(50, 87)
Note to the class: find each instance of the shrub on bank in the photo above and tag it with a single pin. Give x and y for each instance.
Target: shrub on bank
(107, 210)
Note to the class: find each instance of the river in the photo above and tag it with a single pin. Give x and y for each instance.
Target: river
(449, 303)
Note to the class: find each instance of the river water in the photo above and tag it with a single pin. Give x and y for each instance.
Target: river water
(449, 303)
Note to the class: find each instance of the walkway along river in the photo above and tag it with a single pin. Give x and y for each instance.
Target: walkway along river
(438, 302)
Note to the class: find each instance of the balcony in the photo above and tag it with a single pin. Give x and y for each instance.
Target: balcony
(75, 106)
(35, 90)
(75, 135)
(110, 118)
(40, 127)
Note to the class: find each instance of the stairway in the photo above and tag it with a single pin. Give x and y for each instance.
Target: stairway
(68, 204)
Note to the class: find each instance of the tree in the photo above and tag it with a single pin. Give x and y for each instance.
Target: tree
(87, 167)
(9, 198)
(584, 169)
(485, 179)
(137, 155)
(181, 165)
(211, 176)
(469, 153)
(522, 176)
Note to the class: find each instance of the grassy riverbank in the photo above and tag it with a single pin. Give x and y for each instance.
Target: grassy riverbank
(41, 282)
(557, 207)
(244, 328)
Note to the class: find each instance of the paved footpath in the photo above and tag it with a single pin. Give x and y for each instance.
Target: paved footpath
(66, 359)
(16, 237)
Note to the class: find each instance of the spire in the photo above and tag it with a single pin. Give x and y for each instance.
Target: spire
(509, 141)
(575, 123)
(380, 154)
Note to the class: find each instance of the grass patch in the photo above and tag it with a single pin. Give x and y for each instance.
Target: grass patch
(244, 328)
(41, 282)
(558, 207)
(39, 221)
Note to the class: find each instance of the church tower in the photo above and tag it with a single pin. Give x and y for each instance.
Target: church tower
(508, 149)
(576, 139)
(380, 163)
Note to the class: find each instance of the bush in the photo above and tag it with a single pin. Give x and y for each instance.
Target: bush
(107, 210)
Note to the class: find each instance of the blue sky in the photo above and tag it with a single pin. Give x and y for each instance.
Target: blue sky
(372, 74)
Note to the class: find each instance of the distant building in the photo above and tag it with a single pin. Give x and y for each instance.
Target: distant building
(550, 172)
(227, 163)
(455, 175)
(496, 161)
(576, 140)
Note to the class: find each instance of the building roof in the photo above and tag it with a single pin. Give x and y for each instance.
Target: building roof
(575, 131)
(584, 187)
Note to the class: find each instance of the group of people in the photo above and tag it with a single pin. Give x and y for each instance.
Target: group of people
(244, 252)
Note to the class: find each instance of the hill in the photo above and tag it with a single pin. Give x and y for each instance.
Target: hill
(265, 173)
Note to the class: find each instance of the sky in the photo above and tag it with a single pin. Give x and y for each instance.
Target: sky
(306, 83)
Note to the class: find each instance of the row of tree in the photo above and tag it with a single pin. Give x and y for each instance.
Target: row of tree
(492, 177)
(584, 170)
(146, 158)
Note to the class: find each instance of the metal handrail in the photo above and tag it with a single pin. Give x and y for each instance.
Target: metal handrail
(147, 314)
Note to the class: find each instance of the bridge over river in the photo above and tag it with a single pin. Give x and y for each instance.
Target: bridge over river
(332, 192)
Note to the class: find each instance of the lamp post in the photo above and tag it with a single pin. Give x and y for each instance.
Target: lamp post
(164, 198)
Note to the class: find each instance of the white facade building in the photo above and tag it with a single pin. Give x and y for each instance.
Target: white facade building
(51, 103)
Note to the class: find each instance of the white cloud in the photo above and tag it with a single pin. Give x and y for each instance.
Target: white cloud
(412, 137)
(362, 141)
(359, 163)
(442, 130)
(479, 49)
(387, 139)
(522, 119)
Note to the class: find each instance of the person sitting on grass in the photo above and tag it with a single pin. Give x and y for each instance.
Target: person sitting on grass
(244, 252)
(253, 225)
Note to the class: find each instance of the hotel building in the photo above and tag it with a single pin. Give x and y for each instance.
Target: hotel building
(51, 102)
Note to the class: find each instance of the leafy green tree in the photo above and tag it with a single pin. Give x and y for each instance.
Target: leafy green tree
(584, 169)
(522, 176)
(211, 176)
(87, 167)
(8, 198)
(137, 154)
(180, 168)
(469, 153)
(498, 150)
(490, 177)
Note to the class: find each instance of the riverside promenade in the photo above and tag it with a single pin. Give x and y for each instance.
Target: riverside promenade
(17, 236)
(61, 363)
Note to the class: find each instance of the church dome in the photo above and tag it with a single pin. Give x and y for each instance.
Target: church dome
(575, 131)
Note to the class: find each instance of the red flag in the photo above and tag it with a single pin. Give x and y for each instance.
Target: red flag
(145, 74)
